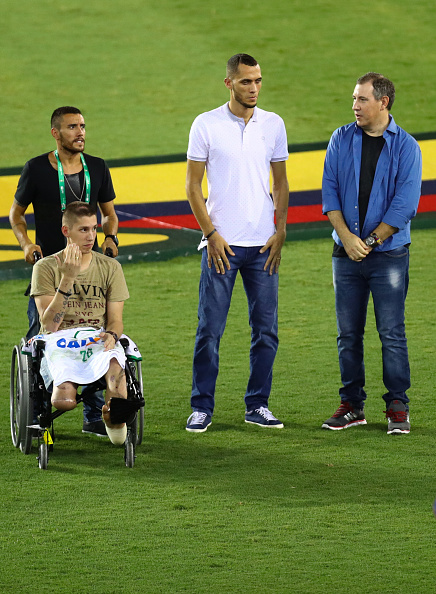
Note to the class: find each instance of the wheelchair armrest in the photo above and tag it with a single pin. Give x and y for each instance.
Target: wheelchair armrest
(39, 345)
(124, 343)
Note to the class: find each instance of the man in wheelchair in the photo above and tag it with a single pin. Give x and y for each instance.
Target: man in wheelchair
(80, 296)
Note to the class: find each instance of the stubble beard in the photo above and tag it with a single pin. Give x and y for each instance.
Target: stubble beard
(246, 105)
(70, 148)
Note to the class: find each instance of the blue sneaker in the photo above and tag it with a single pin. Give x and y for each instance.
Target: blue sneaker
(198, 422)
(262, 417)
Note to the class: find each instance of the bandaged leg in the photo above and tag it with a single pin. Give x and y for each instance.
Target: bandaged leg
(116, 388)
(117, 436)
(116, 433)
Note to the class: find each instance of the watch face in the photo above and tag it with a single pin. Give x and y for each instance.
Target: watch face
(370, 241)
(114, 239)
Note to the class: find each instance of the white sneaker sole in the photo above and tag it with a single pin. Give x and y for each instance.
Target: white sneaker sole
(198, 430)
(353, 424)
(280, 426)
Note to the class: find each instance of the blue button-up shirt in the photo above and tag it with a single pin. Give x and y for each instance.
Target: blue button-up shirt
(396, 188)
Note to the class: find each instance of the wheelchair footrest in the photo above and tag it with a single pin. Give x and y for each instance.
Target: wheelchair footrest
(123, 410)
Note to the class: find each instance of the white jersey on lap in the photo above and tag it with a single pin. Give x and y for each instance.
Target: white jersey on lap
(77, 355)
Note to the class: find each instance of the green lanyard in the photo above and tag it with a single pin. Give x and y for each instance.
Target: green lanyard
(62, 180)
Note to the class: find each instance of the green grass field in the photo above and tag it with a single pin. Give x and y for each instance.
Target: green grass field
(142, 71)
(237, 509)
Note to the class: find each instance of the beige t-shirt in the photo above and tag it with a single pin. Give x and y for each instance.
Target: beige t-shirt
(102, 281)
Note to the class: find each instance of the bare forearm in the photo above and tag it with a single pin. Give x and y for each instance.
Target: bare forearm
(53, 315)
(109, 224)
(55, 312)
(383, 231)
(115, 326)
(337, 220)
(19, 227)
(114, 323)
(198, 206)
(281, 202)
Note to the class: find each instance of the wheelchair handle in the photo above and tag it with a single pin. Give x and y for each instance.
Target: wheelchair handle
(109, 253)
(36, 256)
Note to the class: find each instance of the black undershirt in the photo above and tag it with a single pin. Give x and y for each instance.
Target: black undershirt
(77, 190)
(372, 146)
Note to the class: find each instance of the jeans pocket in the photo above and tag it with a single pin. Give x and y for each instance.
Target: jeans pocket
(399, 252)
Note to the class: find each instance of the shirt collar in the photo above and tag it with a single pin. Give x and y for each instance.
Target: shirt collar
(392, 127)
(236, 119)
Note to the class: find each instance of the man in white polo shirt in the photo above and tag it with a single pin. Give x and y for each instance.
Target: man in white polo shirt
(238, 144)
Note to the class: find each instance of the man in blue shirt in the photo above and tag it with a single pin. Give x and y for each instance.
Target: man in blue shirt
(370, 192)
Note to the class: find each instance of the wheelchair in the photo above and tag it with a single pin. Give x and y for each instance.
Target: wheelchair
(32, 415)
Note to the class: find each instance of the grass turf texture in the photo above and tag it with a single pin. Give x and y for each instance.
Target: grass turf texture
(237, 509)
(142, 71)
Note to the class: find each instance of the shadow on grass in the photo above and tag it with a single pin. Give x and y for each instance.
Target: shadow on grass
(298, 466)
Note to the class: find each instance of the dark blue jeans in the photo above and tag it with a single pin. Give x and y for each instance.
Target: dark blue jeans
(386, 276)
(32, 314)
(216, 290)
(92, 400)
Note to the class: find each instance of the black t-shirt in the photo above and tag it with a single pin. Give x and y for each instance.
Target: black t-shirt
(372, 146)
(39, 185)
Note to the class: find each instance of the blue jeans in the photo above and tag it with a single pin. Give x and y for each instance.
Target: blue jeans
(92, 400)
(32, 314)
(216, 290)
(386, 276)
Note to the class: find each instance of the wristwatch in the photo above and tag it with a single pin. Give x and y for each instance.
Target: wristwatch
(114, 239)
(372, 240)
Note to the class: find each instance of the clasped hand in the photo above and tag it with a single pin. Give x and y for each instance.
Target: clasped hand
(356, 249)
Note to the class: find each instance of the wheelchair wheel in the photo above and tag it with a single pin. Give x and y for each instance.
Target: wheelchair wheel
(140, 426)
(140, 415)
(26, 414)
(21, 405)
(43, 455)
(15, 397)
(129, 451)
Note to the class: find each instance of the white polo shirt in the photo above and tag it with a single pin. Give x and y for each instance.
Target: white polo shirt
(238, 159)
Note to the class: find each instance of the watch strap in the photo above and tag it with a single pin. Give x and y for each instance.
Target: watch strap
(377, 238)
(113, 237)
(114, 334)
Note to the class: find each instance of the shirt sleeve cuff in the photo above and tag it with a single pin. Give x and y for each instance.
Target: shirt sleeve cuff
(395, 220)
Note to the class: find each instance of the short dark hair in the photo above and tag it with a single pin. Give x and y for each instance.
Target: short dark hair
(58, 114)
(383, 87)
(77, 210)
(233, 63)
